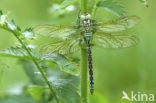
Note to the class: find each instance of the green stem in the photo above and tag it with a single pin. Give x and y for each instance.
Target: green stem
(94, 12)
(84, 6)
(84, 76)
(16, 33)
(94, 9)
(84, 69)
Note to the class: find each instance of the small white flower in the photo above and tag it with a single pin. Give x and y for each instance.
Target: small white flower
(31, 46)
(3, 19)
(28, 34)
(11, 25)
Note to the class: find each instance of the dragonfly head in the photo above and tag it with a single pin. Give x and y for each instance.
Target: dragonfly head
(85, 16)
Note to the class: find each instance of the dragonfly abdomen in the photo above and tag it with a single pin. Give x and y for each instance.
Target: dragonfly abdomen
(90, 68)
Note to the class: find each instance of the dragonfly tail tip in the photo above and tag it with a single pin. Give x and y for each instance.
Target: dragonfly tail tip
(91, 91)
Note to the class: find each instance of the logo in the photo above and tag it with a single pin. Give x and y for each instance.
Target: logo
(138, 97)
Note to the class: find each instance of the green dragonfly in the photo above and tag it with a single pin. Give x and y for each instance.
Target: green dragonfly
(87, 33)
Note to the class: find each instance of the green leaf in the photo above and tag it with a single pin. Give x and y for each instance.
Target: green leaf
(1, 12)
(17, 99)
(67, 3)
(16, 52)
(112, 6)
(144, 2)
(32, 72)
(36, 92)
(64, 86)
(63, 63)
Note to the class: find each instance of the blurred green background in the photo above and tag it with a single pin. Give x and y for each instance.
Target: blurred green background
(130, 69)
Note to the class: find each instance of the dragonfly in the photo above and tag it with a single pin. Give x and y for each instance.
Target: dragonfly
(86, 34)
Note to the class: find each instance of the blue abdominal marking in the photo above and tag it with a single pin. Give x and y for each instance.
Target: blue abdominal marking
(90, 65)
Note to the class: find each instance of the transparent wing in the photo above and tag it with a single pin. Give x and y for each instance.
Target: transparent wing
(66, 46)
(117, 25)
(55, 31)
(114, 41)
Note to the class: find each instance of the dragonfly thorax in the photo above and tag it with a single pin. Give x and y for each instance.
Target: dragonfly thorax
(86, 23)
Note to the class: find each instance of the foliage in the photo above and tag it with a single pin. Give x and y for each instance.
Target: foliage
(112, 6)
(17, 99)
(64, 81)
(59, 88)
(63, 84)
(66, 3)
(144, 2)
(63, 63)
(36, 92)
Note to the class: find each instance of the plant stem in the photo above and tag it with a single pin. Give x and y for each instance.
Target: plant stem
(16, 33)
(84, 62)
(84, 76)
(94, 9)
(84, 6)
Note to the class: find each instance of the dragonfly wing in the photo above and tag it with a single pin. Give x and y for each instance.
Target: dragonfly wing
(114, 41)
(118, 25)
(66, 46)
(55, 31)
